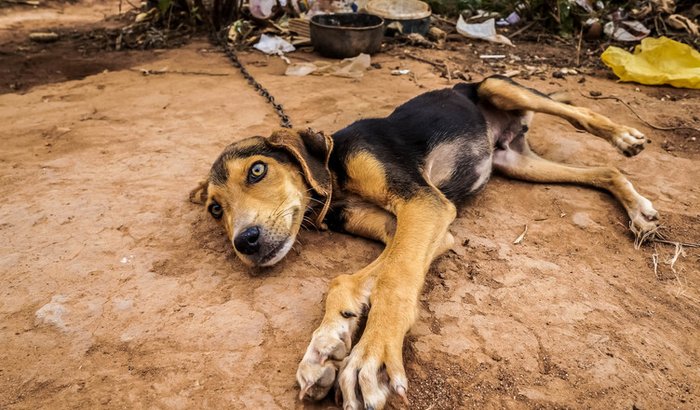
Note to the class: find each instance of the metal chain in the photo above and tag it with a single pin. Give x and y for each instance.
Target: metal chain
(221, 40)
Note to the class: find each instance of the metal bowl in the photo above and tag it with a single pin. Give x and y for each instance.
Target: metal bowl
(346, 35)
(413, 16)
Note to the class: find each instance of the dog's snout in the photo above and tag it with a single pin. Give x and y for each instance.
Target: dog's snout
(248, 241)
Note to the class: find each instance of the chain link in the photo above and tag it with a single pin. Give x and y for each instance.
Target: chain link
(222, 40)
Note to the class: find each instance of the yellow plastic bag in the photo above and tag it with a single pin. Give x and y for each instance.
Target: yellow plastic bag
(656, 61)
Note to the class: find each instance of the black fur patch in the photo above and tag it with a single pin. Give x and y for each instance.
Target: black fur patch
(401, 141)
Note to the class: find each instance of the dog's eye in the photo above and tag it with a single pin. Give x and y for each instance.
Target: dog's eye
(257, 172)
(216, 210)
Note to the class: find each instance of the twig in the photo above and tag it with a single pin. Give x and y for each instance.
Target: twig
(24, 2)
(676, 254)
(444, 20)
(445, 70)
(656, 127)
(578, 48)
(161, 72)
(133, 6)
(520, 238)
(686, 244)
(522, 30)
(655, 261)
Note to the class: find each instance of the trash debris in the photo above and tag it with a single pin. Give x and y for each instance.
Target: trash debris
(656, 61)
(438, 37)
(626, 30)
(416, 39)
(482, 31)
(300, 27)
(239, 31)
(564, 72)
(348, 68)
(403, 16)
(270, 44)
(262, 9)
(512, 19)
(592, 29)
(683, 23)
(300, 69)
(492, 56)
(43, 37)
(400, 72)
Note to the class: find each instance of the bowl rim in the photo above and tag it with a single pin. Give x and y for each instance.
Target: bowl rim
(317, 24)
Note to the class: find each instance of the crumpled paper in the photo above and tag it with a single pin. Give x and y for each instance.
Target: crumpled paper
(656, 61)
(482, 31)
(349, 68)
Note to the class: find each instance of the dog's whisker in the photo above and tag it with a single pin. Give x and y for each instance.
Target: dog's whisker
(317, 200)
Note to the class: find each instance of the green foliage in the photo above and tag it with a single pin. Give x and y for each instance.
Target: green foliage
(560, 16)
(164, 6)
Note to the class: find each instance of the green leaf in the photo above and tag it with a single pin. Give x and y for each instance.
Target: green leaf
(164, 5)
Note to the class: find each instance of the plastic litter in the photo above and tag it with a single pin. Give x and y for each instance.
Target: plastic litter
(262, 9)
(348, 68)
(512, 19)
(273, 45)
(626, 30)
(482, 31)
(656, 61)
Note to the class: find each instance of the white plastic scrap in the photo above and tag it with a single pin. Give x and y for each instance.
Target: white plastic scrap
(482, 31)
(349, 68)
(626, 30)
(273, 45)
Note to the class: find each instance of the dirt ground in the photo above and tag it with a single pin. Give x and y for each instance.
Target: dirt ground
(116, 292)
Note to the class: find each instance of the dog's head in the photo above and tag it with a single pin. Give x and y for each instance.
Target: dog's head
(259, 189)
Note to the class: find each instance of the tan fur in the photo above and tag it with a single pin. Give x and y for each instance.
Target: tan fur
(414, 229)
(369, 221)
(366, 178)
(509, 97)
(530, 167)
(270, 203)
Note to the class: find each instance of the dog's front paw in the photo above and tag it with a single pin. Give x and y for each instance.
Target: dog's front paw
(317, 371)
(629, 141)
(373, 370)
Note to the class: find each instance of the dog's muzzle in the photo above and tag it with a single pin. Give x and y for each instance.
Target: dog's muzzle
(257, 247)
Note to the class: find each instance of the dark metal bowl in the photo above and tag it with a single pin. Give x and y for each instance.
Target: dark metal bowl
(420, 26)
(345, 35)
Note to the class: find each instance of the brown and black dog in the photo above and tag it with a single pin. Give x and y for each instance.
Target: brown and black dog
(396, 180)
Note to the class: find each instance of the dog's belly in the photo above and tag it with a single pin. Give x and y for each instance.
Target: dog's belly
(459, 167)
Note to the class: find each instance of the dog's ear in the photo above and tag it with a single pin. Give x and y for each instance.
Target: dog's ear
(312, 150)
(199, 194)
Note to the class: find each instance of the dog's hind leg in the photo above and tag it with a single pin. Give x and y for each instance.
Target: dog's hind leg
(527, 166)
(504, 94)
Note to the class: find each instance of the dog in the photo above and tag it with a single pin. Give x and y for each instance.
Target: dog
(396, 180)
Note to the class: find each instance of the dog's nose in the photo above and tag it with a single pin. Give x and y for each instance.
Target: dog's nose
(247, 242)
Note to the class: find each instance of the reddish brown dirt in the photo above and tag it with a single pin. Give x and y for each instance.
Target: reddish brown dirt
(119, 293)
